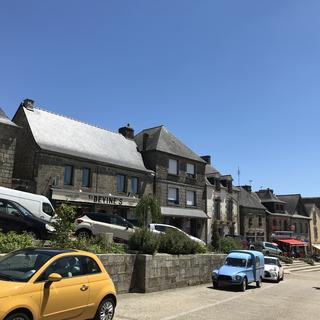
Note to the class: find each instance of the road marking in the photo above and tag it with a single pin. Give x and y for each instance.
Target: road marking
(182, 314)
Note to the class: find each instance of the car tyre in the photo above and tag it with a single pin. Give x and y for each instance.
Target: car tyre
(282, 278)
(17, 316)
(215, 285)
(278, 279)
(259, 283)
(105, 310)
(244, 284)
(83, 233)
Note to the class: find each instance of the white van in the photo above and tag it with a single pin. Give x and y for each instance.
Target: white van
(38, 205)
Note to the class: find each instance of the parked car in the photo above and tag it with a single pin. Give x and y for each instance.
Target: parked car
(273, 269)
(240, 268)
(266, 247)
(38, 205)
(96, 223)
(55, 284)
(163, 228)
(15, 217)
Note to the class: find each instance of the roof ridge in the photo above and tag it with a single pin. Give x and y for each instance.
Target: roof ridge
(161, 125)
(76, 120)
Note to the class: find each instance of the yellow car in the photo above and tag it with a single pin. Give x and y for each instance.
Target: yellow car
(55, 284)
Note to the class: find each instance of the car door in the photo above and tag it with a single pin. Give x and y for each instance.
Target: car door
(68, 298)
(3, 216)
(249, 271)
(12, 218)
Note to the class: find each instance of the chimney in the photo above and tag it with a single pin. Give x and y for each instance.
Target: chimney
(127, 132)
(247, 188)
(28, 104)
(207, 159)
(145, 141)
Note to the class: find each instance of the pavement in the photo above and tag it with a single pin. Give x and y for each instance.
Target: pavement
(295, 298)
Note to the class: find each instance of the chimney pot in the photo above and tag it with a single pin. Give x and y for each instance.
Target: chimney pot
(207, 159)
(127, 132)
(28, 104)
(247, 188)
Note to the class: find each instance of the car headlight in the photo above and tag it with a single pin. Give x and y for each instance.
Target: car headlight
(214, 275)
(238, 277)
(50, 228)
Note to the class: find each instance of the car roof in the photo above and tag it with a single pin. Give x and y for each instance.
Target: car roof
(268, 257)
(48, 251)
(241, 254)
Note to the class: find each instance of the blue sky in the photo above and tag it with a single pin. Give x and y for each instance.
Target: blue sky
(236, 79)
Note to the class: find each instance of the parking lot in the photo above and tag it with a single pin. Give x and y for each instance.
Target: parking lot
(296, 298)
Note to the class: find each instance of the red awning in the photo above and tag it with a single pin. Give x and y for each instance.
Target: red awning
(293, 242)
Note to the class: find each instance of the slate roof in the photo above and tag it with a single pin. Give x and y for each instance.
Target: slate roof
(60, 134)
(292, 201)
(211, 171)
(267, 195)
(250, 200)
(161, 139)
(5, 120)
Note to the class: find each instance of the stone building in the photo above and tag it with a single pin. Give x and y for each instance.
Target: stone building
(8, 131)
(253, 219)
(179, 179)
(68, 160)
(314, 213)
(222, 201)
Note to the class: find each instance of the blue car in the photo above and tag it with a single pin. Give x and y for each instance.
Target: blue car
(240, 268)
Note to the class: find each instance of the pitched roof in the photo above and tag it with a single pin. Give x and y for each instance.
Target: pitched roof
(292, 201)
(250, 199)
(60, 134)
(161, 139)
(211, 171)
(267, 195)
(5, 120)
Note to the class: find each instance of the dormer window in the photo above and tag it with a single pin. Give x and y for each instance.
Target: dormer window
(173, 167)
(191, 170)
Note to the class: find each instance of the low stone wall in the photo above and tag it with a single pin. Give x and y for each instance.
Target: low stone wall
(147, 273)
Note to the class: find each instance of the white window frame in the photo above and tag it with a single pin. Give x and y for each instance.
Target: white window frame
(173, 166)
(191, 173)
(175, 199)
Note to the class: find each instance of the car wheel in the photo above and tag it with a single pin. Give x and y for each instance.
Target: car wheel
(83, 233)
(215, 285)
(282, 278)
(278, 279)
(17, 316)
(259, 283)
(244, 285)
(106, 310)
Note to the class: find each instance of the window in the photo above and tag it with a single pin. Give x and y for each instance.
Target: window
(249, 263)
(86, 177)
(68, 175)
(11, 210)
(121, 183)
(191, 170)
(217, 209)
(161, 228)
(2, 207)
(46, 208)
(134, 185)
(260, 221)
(173, 196)
(230, 210)
(274, 222)
(89, 265)
(250, 222)
(173, 166)
(191, 198)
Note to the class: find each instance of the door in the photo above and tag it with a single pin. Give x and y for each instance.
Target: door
(68, 298)
(249, 271)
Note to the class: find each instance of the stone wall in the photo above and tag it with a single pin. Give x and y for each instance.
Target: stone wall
(7, 151)
(147, 273)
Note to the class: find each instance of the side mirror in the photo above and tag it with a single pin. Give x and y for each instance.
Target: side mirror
(54, 277)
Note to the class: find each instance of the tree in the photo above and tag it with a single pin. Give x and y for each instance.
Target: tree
(215, 236)
(147, 209)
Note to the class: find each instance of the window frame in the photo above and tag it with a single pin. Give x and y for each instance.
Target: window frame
(189, 174)
(131, 184)
(123, 190)
(176, 201)
(89, 182)
(177, 167)
(194, 204)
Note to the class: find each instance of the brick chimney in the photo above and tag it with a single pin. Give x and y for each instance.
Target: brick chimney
(127, 132)
(207, 159)
(28, 104)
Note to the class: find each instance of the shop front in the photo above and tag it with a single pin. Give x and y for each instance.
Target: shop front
(96, 202)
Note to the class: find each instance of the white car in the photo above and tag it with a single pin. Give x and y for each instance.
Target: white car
(273, 269)
(97, 223)
(163, 228)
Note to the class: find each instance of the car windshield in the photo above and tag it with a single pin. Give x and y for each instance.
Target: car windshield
(270, 261)
(22, 265)
(235, 262)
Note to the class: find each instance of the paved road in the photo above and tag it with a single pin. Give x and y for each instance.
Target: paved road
(296, 298)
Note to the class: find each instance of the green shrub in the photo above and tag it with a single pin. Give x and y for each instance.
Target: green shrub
(227, 244)
(13, 241)
(174, 242)
(144, 241)
(309, 261)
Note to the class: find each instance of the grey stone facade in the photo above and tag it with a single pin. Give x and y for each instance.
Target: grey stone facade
(8, 133)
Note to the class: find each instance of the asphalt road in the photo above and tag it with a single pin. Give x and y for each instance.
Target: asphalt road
(296, 298)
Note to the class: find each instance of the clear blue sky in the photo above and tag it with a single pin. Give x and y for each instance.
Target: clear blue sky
(237, 79)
